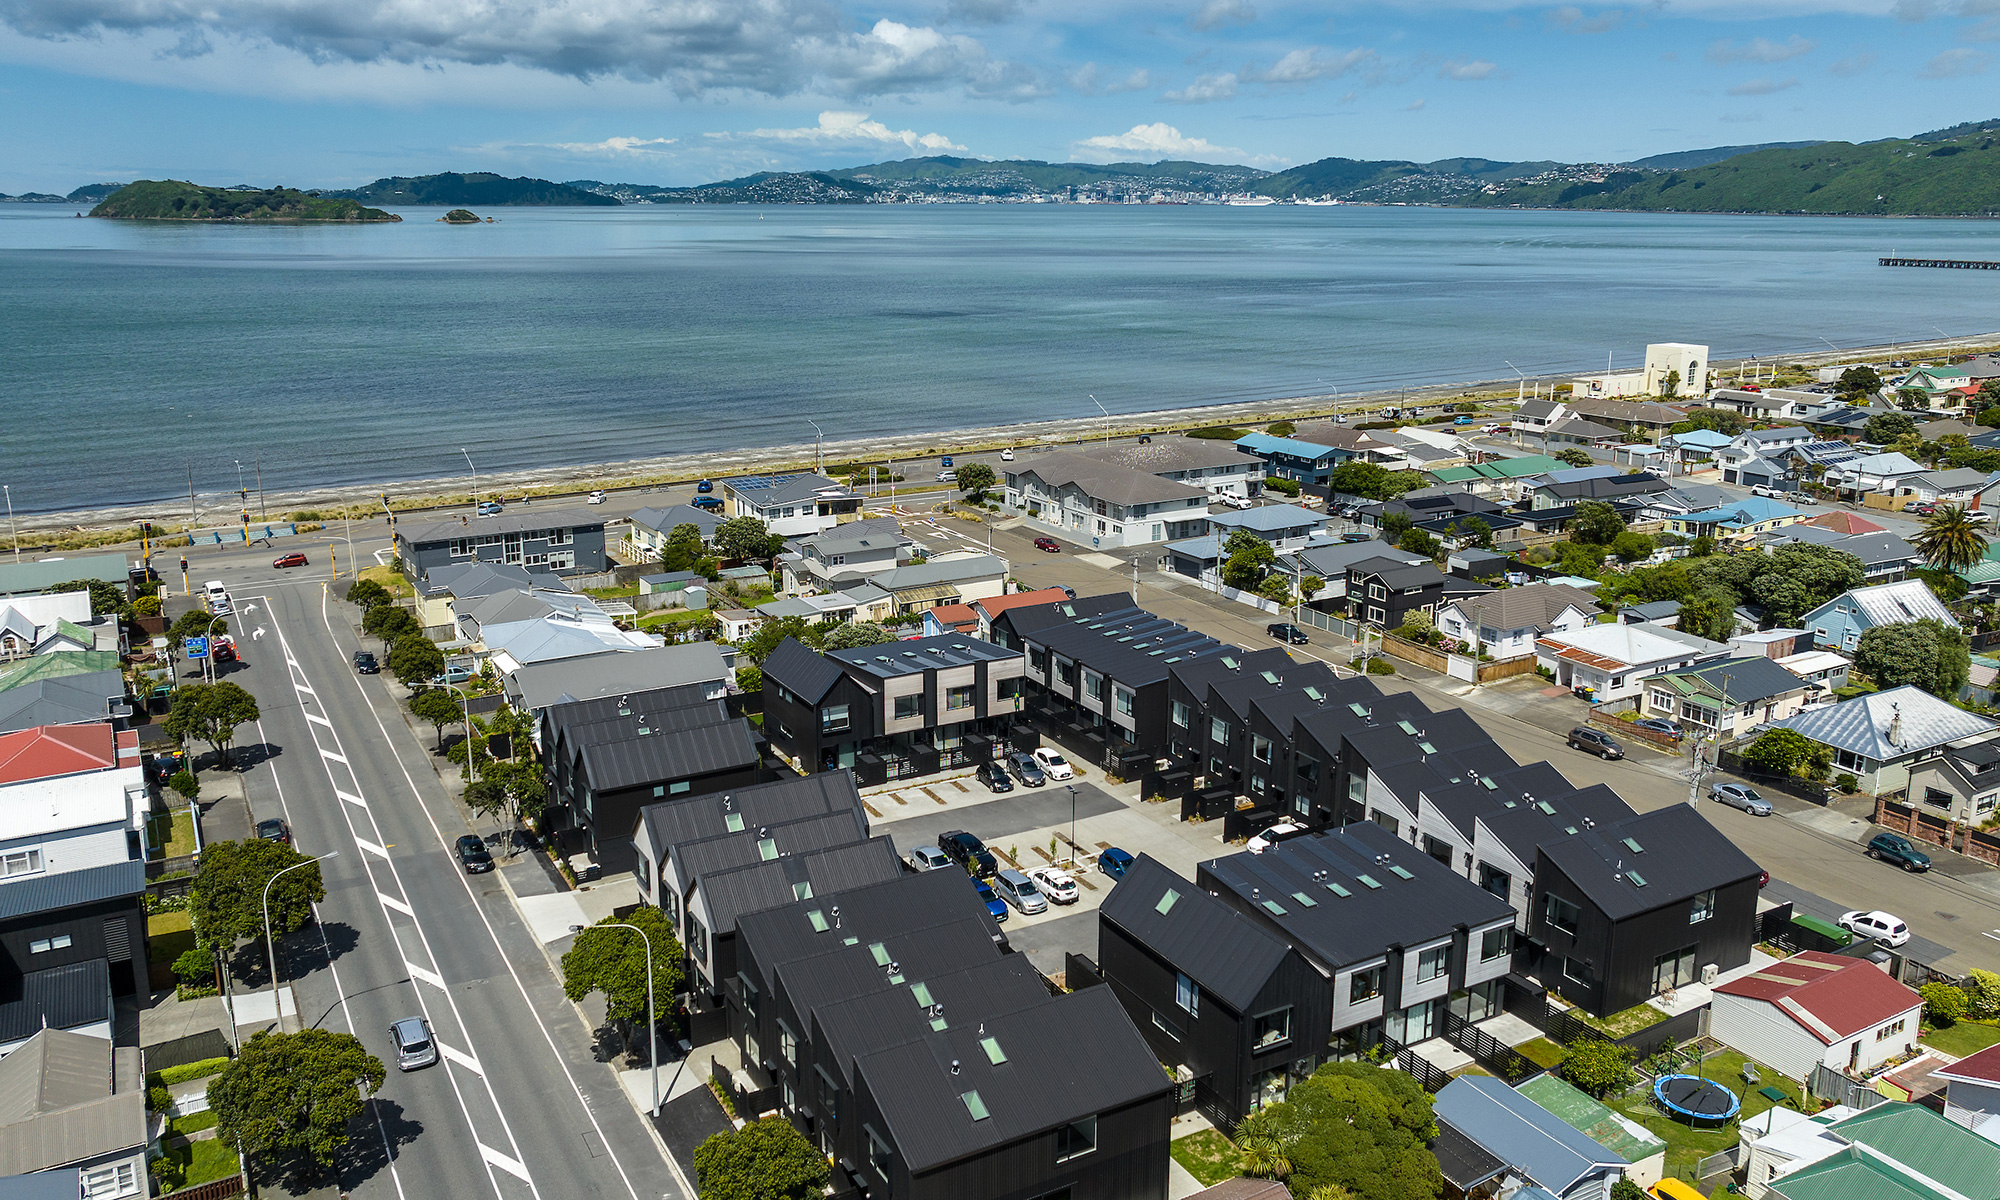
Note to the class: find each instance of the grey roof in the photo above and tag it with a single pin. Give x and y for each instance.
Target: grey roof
(766, 490)
(1893, 603)
(663, 520)
(741, 848)
(1862, 725)
(65, 700)
(693, 818)
(793, 606)
(1645, 411)
(1339, 930)
(1585, 428)
(881, 910)
(649, 754)
(1653, 610)
(666, 577)
(1748, 680)
(518, 519)
(469, 581)
(874, 533)
(1535, 605)
(1785, 433)
(64, 997)
(1394, 574)
(1108, 482)
(1225, 952)
(1593, 471)
(730, 894)
(1530, 1138)
(1954, 480)
(25, 577)
(575, 723)
(1128, 644)
(1876, 549)
(67, 1098)
(930, 574)
(1171, 454)
(542, 684)
(1268, 518)
(863, 592)
(917, 655)
(1680, 856)
(802, 670)
(1331, 560)
(1540, 410)
(50, 891)
(502, 608)
(1642, 484)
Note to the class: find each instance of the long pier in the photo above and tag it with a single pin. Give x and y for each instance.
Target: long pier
(1956, 264)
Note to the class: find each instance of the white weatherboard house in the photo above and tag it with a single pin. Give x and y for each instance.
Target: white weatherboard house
(1972, 1092)
(1878, 737)
(1616, 660)
(1506, 623)
(1817, 1009)
(1104, 505)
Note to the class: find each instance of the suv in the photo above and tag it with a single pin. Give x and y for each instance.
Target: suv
(968, 852)
(364, 663)
(1026, 769)
(473, 854)
(414, 1045)
(1287, 633)
(1593, 742)
(710, 503)
(994, 776)
(1897, 851)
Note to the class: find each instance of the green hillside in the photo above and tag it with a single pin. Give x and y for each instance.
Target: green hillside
(173, 200)
(480, 188)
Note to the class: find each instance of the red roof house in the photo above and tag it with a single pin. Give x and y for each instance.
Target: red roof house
(1847, 523)
(62, 750)
(1972, 1092)
(1816, 1008)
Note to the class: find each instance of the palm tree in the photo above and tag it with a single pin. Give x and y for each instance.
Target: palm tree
(1262, 1156)
(1950, 541)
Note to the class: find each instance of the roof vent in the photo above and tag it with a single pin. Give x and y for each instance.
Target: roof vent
(954, 1066)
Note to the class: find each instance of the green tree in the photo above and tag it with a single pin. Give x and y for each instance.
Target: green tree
(1913, 399)
(294, 1094)
(1670, 387)
(1721, 420)
(366, 594)
(440, 707)
(742, 538)
(1419, 541)
(104, 597)
(195, 966)
(196, 623)
(976, 479)
(1625, 1189)
(1595, 524)
(1357, 478)
(1949, 540)
(1886, 428)
(683, 549)
(1394, 525)
(486, 798)
(1668, 581)
(1859, 381)
(1355, 1126)
(1281, 429)
(1982, 995)
(1473, 531)
(613, 961)
(1597, 1067)
(1262, 1156)
(1782, 752)
(1575, 456)
(750, 679)
(769, 635)
(1310, 586)
(1929, 654)
(1944, 1003)
(855, 636)
(1277, 586)
(186, 784)
(526, 787)
(226, 899)
(415, 660)
(209, 712)
(764, 1160)
(1797, 578)
(1247, 558)
(389, 622)
(1632, 547)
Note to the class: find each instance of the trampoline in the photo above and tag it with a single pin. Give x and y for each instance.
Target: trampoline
(1695, 1099)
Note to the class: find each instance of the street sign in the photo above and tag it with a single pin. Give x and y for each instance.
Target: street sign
(195, 647)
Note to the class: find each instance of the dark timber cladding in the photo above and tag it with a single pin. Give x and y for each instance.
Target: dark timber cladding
(1101, 664)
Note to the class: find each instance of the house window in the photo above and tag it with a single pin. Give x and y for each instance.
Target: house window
(1010, 689)
(561, 537)
(1703, 907)
(1076, 1139)
(833, 718)
(20, 862)
(697, 940)
(60, 941)
(1495, 943)
(1066, 673)
(878, 1153)
(1218, 729)
(1495, 881)
(1937, 798)
(829, 1095)
(1122, 698)
(958, 697)
(1891, 1030)
(1306, 770)
(908, 707)
(1432, 963)
(1093, 686)
(1365, 984)
(1187, 994)
(1260, 747)
(1578, 971)
(788, 1044)
(1561, 913)
(1182, 714)
(461, 547)
(1271, 1029)
(116, 1179)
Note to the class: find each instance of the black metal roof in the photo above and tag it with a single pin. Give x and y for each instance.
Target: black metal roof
(730, 894)
(692, 818)
(1679, 855)
(1225, 952)
(1749, 679)
(864, 1020)
(1464, 1163)
(727, 851)
(871, 912)
(1394, 574)
(803, 671)
(575, 714)
(1028, 618)
(654, 755)
(917, 655)
(67, 889)
(1129, 645)
(58, 998)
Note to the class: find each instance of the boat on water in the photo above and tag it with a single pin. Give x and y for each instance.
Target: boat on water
(1249, 201)
(1329, 203)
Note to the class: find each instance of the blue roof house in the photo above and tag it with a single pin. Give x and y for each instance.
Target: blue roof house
(1696, 445)
(1754, 514)
(1541, 1150)
(1286, 526)
(1288, 458)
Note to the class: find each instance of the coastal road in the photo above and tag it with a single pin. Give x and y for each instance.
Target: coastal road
(518, 1109)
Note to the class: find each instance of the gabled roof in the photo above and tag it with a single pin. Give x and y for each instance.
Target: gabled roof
(1841, 521)
(1751, 510)
(1981, 1068)
(1584, 428)
(1927, 1143)
(1164, 454)
(1788, 433)
(993, 606)
(1268, 518)
(469, 581)
(1622, 1136)
(518, 519)
(542, 684)
(663, 520)
(1615, 486)
(939, 571)
(1539, 410)
(1532, 1139)
(1862, 725)
(1892, 604)
(51, 750)
(730, 894)
(652, 752)
(1953, 481)
(1225, 952)
(75, 996)
(693, 818)
(1626, 645)
(67, 889)
(804, 671)
(1749, 680)
(1267, 444)
(766, 490)
(1128, 644)
(1536, 605)
(1680, 855)
(68, 1098)
(1104, 481)
(1500, 468)
(1397, 574)
(1699, 439)
(18, 578)
(1831, 997)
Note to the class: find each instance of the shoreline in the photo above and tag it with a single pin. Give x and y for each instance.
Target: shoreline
(41, 532)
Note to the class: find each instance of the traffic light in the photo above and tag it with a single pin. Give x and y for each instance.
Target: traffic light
(184, 564)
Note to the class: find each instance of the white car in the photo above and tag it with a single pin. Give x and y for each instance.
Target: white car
(596, 497)
(1057, 884)
(1007, 455)
(1282, 831)
(928, 858)
(1769, 492)
(1886, 926)
(1233, 501)
(1053, 764)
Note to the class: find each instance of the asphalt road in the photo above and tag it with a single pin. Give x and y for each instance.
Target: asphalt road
(519, 1108)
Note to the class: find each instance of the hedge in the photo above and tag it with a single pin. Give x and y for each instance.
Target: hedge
(1289, 487)
(201, 1069)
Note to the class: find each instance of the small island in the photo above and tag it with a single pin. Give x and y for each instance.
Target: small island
(174, 200)
(460, 216)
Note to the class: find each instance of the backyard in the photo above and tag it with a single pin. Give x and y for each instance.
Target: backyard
(1206, 1155)
(172, 832)
(1962, 1038)
(1687, 1146)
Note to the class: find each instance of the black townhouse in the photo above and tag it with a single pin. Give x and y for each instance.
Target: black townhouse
(1228, 722)
(1384, 592)
(607, 758)
(891, 711)
(894, 1026)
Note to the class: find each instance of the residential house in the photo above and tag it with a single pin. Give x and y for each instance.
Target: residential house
(1769, 405)
(1296, 459)
(1620, 1134)
(1506, 624)
(1963, 487)
(37, 576)
(1886, 473)
(646, 540)
(847, 553)
(1839, 623)
(607, 758)
(894, 710)
(892, 1024)
(678, 840)
(57, 622)
(1849, 523)
(512, 607)
(1470, 562)
(1696, 449)
(556, 636)
(1384, 592)
(1750, 515)
(987, 611)
(1972, 1092)
(1771, 643)
(1539, 1148)
(1885, 558)
(67, 687)
(1419, 449)
(566, 541)
(1503, 478)
(1843, 420)
(1817, 1009)
(73, 1108)
(1230, 719)
(1200, 462)
(1577, 431)
(1756, 471)
(1635, 416)
(719, 900)
(1286, 526)
(1762, 443)
(1728, 698)
(1351, 443)
(831, 606)
(1330, 561)
(1102, 504)
(1439, 511)
(1636, 489)
(1891, 1151)
(1879, 738)
(956, 578)
(1614, 661)
(1823, 669)
(1686, 498)
(1654, 612)
(1099, 665)
(950, 618)
(791, 505)
(1533, 418)
(532, 690)
(446, 592)
(1947, 389)
(1960, 785)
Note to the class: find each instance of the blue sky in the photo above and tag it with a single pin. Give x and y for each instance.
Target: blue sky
(338, 92)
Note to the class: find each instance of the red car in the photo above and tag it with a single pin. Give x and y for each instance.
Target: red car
(1048, 544)
(294, 559)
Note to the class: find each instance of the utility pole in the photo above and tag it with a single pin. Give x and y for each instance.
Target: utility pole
(475, 477)
(263, 510)
(819, 465)
(194, 514)
(13, 530)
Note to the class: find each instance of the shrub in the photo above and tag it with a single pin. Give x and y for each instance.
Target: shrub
(146, 606)
(1381, 666)
(1845, 783)
(195, 967)
(1217, 433)
(1597, 1067)
(200, 1069)
(1289, 487)
(158, 1098)
(186, 784)
(1983, 1001)
(1944, 1003)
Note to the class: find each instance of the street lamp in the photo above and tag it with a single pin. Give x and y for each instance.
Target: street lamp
(1521, 392)
(13, 530)
(1836, 349)
(270, 945)
(819, 466)
(475, 478)
(1072, 822)
(1107, 416)
(208, 634)
(471, 762)
(652, 1018)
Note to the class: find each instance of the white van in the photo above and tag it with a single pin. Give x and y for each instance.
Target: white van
(1020, 891)
(215, 596)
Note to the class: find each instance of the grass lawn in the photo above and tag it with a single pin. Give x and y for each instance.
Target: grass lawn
(1542, 1052)
(1962, 1038)
(672, 618)
(168, 936)
(391, 578)
(173, 831)
(1686, 1146)
(1207, 1155)
(1623, 1024)
(197, 1163)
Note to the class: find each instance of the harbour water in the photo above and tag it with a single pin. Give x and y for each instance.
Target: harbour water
(130, 353)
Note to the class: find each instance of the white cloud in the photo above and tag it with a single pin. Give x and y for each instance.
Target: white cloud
(1853, 64)
(848, 129)
(1215, 14)
(1150, 143)
(1762, 50)
(1460, 69)
(1204, 90)
(1571, 19)
(1085, 79)
(1985, 31)
(983, 12)
(1415, 105)
(612, 147)
(1761, 87)
(1307, 64)
(1956, 64)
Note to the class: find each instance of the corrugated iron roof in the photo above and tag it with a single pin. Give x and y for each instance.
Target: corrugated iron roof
(1832, 997)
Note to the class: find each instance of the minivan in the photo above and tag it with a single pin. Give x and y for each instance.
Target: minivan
(1020, 891)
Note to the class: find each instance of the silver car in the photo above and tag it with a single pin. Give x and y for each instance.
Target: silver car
(414, 1045)
(1737, 795)
(928, 858)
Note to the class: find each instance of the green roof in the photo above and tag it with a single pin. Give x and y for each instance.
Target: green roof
(1628, 1139)
(1505, 468)
(1925, 1142)
(22, 578)
(1983, 572)
(55, 666)
(1852, 1175)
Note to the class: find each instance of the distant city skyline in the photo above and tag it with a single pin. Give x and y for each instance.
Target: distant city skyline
(314, 93)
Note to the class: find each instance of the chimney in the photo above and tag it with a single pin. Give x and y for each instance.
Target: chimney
(1896, 726)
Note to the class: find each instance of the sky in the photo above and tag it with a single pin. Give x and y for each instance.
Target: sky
(332, 93)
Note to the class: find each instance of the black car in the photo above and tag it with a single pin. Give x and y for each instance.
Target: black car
(364, 663)
(994, 776)
(274, 831)
(1287, 633)
(1026, 769)
(968, 852)
(473, 854)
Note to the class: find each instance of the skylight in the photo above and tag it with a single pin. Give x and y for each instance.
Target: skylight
(922, 991)
(818, 920)
(1229, 662)
(767, 849)
(1546, 807)
(1427, 748)
(733, 822)
(1337, 890)
(937, 1024)
(994, 1054)
(1369, 880)
(1406, 727)
(880, 952)
(802, 890)
(1277, 909)
(1357, 710)
(1313, 694)
(1490, 786)
(1633, 846)
(1637, 879)
(1399, 872)
(975, 1106)
(1166, 904)
(1269, 677)
(1304, 900)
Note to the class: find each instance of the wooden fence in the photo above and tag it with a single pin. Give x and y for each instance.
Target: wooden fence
(1525, 665)
(1626, 729)
(1411, 652)
(215, 1189)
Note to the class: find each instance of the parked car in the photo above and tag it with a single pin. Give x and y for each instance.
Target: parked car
(1919, 507)
(364, 663)
(1886, 927)
(994, 776)
(1053, 764)
(1801, 498)
(294, 559)
(1765, 489)
(1114, 862)
(1594, 742)
(414, 1045)
(1020, 891)
(929, 858)
(1287, 633)
(596, 497)
(1006, 456)
(968, 852)
(1048, 545)
(1352, 538)
(473, 854)
(453, 673)
(1026, 769)
(1743, 796)
(708, 503)
(995, 906)
(704, 487)
(1897, 851)
(1661, 725)
(1283, 831)
(947, 477)
(489, 508)
(1232, 501)
(274, 830)
(1057, 884)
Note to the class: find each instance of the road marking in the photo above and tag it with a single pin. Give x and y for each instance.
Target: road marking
(368, 847)
(351, 799)
(461, 1058)
(297, 686)
(431, 977)
(316, 719)
(510, 1165)
(1992, 933)
(389, 901)
(334, 755)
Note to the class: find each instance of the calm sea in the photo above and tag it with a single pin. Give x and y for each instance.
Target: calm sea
(344, 355)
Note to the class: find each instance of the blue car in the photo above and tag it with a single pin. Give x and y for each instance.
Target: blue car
(1114, 862)
(995, 906)
(704, 486)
